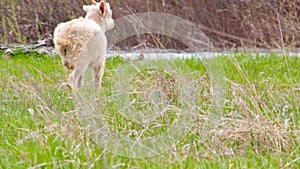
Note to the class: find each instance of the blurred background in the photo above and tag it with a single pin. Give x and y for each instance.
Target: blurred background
(229, 24)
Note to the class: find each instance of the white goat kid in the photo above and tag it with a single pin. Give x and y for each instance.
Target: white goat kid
(81, 43)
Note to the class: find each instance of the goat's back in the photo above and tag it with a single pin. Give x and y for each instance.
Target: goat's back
(78, 30)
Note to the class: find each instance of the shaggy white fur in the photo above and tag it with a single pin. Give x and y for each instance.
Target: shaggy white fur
(81, 43)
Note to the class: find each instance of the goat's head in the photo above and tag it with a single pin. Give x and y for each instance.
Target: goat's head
(100, 13)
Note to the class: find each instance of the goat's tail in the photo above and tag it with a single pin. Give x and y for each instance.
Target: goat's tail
(61, 42)
(65, 42)
(66, 45)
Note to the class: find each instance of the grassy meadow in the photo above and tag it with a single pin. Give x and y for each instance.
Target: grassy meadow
(258, 126)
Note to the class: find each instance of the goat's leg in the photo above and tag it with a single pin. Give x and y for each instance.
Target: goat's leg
(99, 71)
(77, 76)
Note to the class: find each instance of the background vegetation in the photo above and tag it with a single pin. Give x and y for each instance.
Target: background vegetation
(228, 23)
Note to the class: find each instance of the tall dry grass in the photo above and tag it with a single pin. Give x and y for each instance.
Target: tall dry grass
(28, 21)
(228, 23)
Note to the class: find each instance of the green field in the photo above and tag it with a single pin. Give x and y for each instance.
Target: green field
(256, 127)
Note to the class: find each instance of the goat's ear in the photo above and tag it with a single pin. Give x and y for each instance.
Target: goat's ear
(102, 7)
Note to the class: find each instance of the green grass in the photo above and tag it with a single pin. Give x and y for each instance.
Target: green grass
(257, 128)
